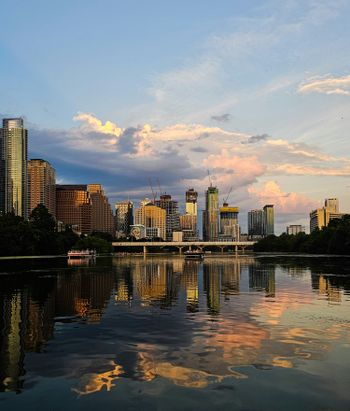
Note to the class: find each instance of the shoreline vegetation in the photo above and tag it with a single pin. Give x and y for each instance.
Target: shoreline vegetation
(38, 236)
(331, 240)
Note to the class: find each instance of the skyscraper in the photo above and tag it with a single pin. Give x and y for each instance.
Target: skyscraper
(255, 223)
(269, 220)
(13, 167)
(188, 221)
(229, 227)
(73, 207)
(211, 215)
(102, 218)
(322, 216)
(172, 214)
(153, 218)
(41, 185)
(124, 217)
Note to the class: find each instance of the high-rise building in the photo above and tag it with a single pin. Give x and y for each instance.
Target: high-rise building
(172, 214)
(124, 217)
(153, 218)
(41, 185)
(269, 220)
(188, 221)
(321, 217)
(255, 223)
(191, 201)
(229, 227)
(13, 167)
(74, 207)
(102, 218)
(332, 205)
(211, 215)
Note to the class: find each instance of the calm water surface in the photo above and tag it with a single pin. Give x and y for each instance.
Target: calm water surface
(162, 333)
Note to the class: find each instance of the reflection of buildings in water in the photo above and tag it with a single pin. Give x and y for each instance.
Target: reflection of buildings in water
(189, 281)
(83, 294)
(212, 285)
(12, 322)
(155, 282)
(325, 287)
(262, 278)
(230, 278)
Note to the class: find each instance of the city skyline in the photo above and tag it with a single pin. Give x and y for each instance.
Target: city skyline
(242, 90)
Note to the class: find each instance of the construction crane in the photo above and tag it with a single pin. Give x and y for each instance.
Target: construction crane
(153, 193)
(211, 185)
(160, 190)
(228, 195)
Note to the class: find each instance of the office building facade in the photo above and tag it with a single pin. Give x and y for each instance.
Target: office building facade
(153, 218)
(73, 207)
(229, 227)
(42, 185)
(13, 167)
(255, 223)
(269, 220)
(321, 217)
(102, 219)
(188, 221)
(211, 215)
(171, 208)
(295, 229)
(124, 217)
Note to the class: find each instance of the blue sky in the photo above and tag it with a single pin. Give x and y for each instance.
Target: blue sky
(183, 86)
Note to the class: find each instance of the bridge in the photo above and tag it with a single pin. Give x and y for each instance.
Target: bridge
(181, 245)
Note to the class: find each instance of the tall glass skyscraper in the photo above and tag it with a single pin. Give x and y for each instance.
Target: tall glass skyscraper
(13, 167)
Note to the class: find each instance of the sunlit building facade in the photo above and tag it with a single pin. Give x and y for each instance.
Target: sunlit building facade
(171, 208)
(152, 217)
(74, 207)
(321, 217)
(211, 215)
(269, 220)
(188, 221)
(13, 167)
(42, 185)
(229, 227)
(102, 219)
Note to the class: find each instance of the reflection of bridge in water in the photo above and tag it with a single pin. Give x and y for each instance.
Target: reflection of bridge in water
(181, 245)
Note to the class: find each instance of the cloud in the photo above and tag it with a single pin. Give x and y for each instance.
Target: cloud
(223, 118)
(256, 139)
(285, 203)
(326, 85)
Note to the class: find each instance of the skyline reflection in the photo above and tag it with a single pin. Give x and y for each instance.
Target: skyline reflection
(191, 323)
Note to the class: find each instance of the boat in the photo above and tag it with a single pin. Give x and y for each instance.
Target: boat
(81, 253)
(194, 255)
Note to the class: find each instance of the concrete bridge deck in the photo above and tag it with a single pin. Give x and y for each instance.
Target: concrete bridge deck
(180, 245)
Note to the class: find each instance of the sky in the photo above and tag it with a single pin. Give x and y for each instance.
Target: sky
(121, 92)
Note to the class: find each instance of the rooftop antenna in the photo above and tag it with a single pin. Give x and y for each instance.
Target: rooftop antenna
(211, 185)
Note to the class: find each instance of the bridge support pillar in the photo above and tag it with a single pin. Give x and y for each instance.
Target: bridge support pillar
(222, 249)
(180, 249)
(236, 249)
(144, 250)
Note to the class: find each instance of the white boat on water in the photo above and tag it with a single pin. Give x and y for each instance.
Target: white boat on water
(81, 253)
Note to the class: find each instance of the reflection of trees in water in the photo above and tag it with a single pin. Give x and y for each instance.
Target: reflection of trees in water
(262, 278)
